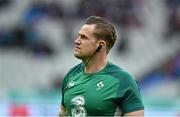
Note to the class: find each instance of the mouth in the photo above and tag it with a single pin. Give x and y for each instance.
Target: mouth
(77, 48)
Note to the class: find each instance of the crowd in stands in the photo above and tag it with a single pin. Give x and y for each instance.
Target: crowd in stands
(169, 70)
(25, 38)
(123, 13)
(24, 34)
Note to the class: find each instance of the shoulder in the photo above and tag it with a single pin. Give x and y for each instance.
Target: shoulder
(119, 73)
(74, 70)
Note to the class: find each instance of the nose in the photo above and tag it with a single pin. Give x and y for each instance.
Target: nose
(77, 41)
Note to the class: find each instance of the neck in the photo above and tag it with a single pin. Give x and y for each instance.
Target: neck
(96, 64)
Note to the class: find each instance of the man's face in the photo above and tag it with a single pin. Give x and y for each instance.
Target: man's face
(85, 44)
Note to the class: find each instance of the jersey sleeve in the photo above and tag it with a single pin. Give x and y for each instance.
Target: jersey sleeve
(63, 88)
(65, 80)
(129, 98)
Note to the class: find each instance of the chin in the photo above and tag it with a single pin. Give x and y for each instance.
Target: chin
(78, 56)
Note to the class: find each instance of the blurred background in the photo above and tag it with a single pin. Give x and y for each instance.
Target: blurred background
(37, 41)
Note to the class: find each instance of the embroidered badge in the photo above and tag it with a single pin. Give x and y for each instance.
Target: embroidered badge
(99, 85)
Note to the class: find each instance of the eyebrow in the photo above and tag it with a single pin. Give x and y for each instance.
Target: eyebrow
(82, 35)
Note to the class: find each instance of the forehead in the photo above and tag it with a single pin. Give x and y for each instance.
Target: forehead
(87, 29)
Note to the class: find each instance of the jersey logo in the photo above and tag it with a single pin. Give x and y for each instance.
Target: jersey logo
(71, 84)
(99, 85)
(79, 109)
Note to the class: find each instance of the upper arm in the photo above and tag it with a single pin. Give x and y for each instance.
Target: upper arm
(135, 113)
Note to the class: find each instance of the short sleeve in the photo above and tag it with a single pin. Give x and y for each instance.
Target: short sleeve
(129, 97)
(63, 88)
(65, 80)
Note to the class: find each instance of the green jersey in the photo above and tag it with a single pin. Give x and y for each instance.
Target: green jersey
(101, 93)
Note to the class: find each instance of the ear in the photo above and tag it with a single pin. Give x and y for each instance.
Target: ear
(101, 43)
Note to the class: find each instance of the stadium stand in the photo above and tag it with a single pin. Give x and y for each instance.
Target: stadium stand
(32, 66)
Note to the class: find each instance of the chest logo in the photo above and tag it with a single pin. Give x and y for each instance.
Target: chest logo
(99, 85)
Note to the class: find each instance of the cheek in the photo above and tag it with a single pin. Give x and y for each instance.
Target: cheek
(90, 48)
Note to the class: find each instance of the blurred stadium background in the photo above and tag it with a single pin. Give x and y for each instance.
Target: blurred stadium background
(36, 50)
